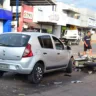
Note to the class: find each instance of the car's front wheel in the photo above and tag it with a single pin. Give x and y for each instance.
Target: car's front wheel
(69, 67)
(37, 74)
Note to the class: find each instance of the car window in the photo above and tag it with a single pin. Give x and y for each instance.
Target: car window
(14, 40)
(45, 41)
(58, 44)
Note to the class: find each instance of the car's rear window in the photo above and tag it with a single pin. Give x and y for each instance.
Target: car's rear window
(14, 40)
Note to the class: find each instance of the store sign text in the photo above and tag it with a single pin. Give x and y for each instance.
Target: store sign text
(28, 15)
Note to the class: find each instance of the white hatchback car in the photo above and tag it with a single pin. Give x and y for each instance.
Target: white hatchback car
(33, 54)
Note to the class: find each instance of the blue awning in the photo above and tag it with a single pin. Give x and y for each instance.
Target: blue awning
(5, 14)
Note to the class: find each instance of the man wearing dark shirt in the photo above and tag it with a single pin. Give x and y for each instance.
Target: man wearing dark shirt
(87, 43)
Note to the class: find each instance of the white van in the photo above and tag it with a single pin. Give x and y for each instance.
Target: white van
(72, 36)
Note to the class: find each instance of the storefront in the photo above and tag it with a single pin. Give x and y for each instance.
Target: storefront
(5, 20)
(32, 21)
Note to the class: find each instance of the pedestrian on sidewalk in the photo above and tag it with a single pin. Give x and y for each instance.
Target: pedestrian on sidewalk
(87, 43)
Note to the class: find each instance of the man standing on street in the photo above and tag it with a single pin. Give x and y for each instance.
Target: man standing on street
(87, 43)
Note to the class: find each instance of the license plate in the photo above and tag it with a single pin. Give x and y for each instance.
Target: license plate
(3, 66)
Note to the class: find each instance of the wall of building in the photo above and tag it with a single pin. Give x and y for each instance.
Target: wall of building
(6, 5)
(61, 6)
(57, 31)
(87, 17)
(71, 16)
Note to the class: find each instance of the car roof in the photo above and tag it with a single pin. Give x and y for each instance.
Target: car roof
(30, 33)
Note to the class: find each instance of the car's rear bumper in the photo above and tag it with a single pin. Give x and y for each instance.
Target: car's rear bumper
(21, 66)
(14, 68)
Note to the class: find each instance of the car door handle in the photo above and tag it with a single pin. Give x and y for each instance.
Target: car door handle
(45, 53)
(58, 53)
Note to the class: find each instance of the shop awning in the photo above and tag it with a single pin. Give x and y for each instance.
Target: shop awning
(33, 2)
(32, 24)
(5, 14)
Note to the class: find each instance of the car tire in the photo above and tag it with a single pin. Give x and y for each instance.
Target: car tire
(69, 67)
(1, 74)
(77, 43)
(37, 74)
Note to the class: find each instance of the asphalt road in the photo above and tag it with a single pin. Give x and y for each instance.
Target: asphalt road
(80, 48)
(53, 84)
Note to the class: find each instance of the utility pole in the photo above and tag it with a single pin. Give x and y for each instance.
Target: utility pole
(17, 13)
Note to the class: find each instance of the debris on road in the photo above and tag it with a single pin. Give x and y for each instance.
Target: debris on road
(90, 72)
(57, 83)
(77, 70)
(67, 75)
(77, 81)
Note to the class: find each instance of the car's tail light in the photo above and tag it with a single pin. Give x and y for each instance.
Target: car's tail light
(28, 51)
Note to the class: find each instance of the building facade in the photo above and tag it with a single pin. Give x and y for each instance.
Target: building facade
(72, 17)
(37, 14)
(56, 18)
(88, 19)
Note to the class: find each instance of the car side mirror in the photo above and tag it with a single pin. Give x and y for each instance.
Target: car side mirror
(68, 48)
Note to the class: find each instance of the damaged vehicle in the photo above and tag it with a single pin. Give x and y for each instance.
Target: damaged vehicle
(33, 54)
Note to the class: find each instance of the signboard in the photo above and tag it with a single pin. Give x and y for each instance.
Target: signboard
(54, 17)
(91, 22)
(27, 13)
(26, 16)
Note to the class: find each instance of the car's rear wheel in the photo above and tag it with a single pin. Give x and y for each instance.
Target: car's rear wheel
(37, 74)
(69, 67)
(1, 73)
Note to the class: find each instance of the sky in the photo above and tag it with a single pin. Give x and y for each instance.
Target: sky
(91, 4)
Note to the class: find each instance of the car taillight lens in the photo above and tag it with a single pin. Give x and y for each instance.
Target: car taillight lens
(28, 51)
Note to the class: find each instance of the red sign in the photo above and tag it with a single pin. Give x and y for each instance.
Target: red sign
(26, 16)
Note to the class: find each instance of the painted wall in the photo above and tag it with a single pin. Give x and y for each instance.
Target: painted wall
(87, 17)
(68, 17)
(6, 5)
(46, 14)
(57, 31)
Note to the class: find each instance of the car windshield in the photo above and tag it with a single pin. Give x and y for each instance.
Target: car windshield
(14, 40)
